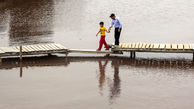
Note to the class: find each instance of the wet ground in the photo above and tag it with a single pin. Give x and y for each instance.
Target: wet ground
(154, 81)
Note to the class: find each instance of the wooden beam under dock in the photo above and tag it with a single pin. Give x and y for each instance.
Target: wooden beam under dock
(89, 51)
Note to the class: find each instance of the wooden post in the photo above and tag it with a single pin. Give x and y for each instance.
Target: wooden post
(134, 55)
(107, 55)
(66, 54)
(21, 61)
(0, 60)
(131, 54)
(193, 57)
(21, 70)
(20, 53)
(49, 54)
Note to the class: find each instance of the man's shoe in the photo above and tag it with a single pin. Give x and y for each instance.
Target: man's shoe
(97, 50)
(115, 46)
(106, 49)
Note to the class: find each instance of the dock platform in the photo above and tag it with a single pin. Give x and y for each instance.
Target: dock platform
(32, 49)
(151, 47)
(52, 48)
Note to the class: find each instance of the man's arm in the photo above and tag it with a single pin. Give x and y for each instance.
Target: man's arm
(120, 25)
(111, 25)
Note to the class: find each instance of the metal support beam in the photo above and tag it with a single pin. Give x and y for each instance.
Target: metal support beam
(49, 54)
(0, 60)
(66, 54)
(193, 56)
(134, 55)
(131, 54)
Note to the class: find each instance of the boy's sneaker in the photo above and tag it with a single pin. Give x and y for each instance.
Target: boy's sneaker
(97, 50)
(107, 49)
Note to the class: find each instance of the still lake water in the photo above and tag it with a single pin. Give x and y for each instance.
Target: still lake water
(152, 81)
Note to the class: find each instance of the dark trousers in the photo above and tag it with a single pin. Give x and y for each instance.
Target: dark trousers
(117, 36)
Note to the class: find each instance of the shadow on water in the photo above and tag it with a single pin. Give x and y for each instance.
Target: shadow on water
(28, 21)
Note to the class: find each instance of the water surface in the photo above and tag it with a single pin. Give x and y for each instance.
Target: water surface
(154, 81)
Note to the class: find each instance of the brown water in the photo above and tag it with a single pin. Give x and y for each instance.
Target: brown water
(152, 81)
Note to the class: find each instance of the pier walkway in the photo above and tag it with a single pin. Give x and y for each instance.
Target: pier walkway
(155, 48)
(51, 48)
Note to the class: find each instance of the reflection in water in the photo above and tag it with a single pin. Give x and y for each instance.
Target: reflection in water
(115, 86)
(21, 70)
(9, 63)
(31, 21)
(102, 75)
(107, 80)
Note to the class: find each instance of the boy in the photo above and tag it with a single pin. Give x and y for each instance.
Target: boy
(102, 39)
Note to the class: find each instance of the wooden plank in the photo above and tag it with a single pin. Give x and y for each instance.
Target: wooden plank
(92, 51)
(186, 47)
(192, 46)
(180, 46)
(168, 46)
(40, 48)
(44, 48)
(147, 46)
(120, 45)
(126, 45)
(137, 45)
(140, 45)
(144, 45)
(129, 45)
(8, 49)
(24, 49)
(56, 46)
(174, 46)
(34, 48)
(151, 46)
(29, 49)
(155, 46)
(48, 47)
(52, 46)
(15, 49)
(37, 48)
(2, 51)
(61, 46)
(162, 46)
(133, 45)
(123, 45)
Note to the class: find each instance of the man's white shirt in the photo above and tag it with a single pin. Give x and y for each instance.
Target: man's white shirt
(116, 22)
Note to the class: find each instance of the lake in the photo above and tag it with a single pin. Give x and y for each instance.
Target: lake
(151, 81)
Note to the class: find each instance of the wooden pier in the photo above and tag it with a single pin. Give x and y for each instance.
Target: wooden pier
(38, 49)
(155, 48)
(52, 48)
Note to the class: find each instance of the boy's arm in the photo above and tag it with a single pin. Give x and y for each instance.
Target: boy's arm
(107, 31)
(97, 33)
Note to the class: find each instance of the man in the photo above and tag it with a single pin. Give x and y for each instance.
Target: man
(118, 27)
